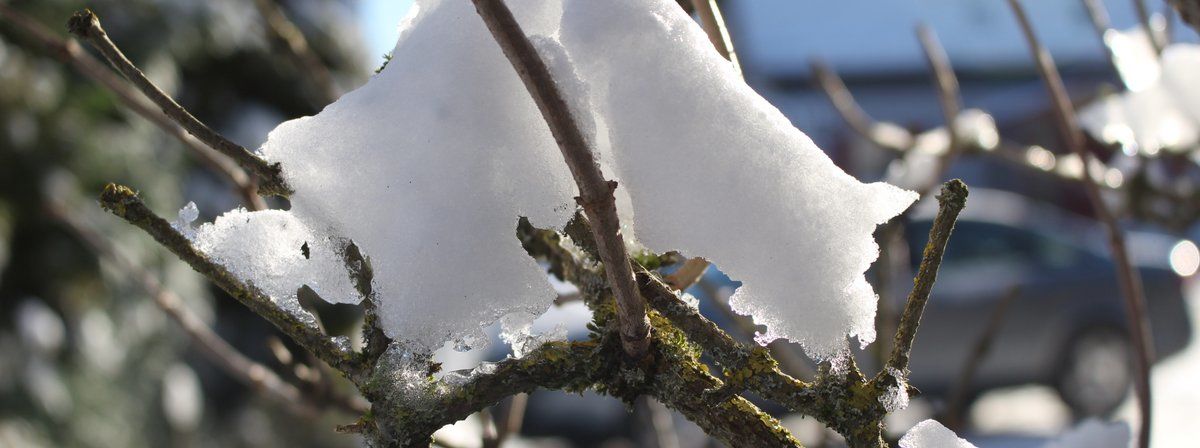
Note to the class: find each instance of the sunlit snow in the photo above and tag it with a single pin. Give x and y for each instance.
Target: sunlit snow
(429, 165)
(931, 434)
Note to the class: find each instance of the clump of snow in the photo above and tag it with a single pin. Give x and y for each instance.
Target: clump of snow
(896, 397)
(715, 171)
(427, 168)
(1092, 433)
(429, 165)
(1160, 109)
(931, 434)
(278, 253)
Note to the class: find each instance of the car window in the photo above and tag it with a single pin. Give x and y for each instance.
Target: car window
(979, 242)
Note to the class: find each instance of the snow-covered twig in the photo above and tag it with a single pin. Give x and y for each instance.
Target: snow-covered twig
(85, 25)
(1128, 277)
(252, 374)
(125, 204)
(595, 192)
(714, 27)
(69, 52)
(287, 35)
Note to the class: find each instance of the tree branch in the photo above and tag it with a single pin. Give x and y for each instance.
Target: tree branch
(894, 138)
(1143, 15)
(1189, 11)
(69, 52)
(595, 193)
(85, 25)
(124, 203)
(951, 201)
(1127, 277)
(287, 35)
(949, 98)
(252, 374)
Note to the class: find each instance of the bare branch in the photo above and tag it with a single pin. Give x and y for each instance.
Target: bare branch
(949, 98)
(123, 202)
(595, 193)
(1143, 14)
(283, 31)
(1098, 14)
(951, 201)
(85, 25)
(688, 274)
(1128, 278)
(69, 52)
(1189, 11)
(718, 33)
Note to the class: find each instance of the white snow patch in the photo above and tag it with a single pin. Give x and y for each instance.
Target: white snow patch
(429, 165)
(931, 434)
(427, 168)
(278, 253)
(716, 171)
(896, 397)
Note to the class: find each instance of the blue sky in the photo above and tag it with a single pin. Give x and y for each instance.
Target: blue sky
(380, 19)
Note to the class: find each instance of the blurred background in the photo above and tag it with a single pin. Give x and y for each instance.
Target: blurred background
(1025, 334)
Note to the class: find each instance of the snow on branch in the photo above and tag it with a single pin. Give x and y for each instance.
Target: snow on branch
(428, 167)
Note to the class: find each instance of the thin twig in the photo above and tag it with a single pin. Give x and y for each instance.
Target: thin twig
(895, 139)
(1098, 14)
(124, 203)
(1189, 12)
(949, 98)
(951, 201)
(1128, 278)
(69, 52)
(282, 30)
(718, 33)
(85, 25)
(688, 274)
(979, 352)
(595, 193)
(1143, 14)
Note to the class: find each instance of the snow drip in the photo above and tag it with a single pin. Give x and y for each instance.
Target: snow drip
(429, 165)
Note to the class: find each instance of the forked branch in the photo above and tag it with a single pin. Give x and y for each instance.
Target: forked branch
(85, 25)
(595, 192)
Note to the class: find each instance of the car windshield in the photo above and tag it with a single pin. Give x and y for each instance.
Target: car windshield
(975, 241)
